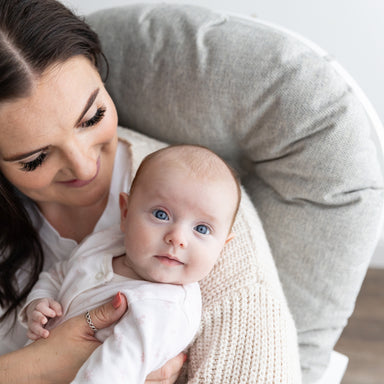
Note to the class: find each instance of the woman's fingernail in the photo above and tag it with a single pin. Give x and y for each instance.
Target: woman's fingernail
(185, 357)
(116, 300)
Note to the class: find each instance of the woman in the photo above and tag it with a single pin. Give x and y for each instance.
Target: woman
(58, 144)
(62, 166)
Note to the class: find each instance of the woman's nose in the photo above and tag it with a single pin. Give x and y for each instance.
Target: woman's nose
(176, 237)
(82, 161)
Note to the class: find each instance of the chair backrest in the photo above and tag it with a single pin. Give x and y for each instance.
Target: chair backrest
(281, 113)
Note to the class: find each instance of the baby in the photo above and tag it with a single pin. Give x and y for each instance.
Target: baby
(174, 224)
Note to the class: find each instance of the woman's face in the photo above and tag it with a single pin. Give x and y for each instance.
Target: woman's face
(58, 144)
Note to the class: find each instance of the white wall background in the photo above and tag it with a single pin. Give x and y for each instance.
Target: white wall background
(350, 30)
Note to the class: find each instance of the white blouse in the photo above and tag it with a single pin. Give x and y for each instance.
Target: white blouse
(56, 247)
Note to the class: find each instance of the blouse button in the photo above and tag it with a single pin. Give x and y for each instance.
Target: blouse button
(99, 275)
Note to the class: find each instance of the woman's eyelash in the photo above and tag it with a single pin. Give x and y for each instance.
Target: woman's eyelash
(95, 119)
(32, 165)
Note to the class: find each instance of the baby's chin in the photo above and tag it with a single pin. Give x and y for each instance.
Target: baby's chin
(168, 280)
(159, 275)
(178, 281)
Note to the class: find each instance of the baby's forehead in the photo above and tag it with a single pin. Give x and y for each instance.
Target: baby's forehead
(195, 163)
(195, 160)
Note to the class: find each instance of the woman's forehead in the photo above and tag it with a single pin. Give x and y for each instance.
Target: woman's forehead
(61, 85)
(57, 99)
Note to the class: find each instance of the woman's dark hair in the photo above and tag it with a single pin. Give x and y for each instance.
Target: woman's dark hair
(34, 35)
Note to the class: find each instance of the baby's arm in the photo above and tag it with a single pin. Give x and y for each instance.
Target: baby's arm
(39, 306)
(38, 313)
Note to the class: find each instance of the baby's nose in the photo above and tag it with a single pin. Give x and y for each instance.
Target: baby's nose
(176, 238)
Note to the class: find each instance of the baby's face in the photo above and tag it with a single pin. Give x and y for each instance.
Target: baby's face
(176, 225)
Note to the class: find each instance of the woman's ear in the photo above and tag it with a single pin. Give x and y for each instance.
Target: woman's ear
(123, 203)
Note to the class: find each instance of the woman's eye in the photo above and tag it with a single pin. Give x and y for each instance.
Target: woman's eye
(203, 229)
(160, 214)
(95, 119)
(32, 165)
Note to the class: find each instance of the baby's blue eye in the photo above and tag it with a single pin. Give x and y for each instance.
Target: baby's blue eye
(203, 229)
(160, 214)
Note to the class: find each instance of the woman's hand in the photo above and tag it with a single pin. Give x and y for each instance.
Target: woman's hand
(58, 358)
(73, 341)
(79, 345)
(169, 373)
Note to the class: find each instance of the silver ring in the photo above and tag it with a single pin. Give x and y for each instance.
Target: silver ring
(89, 321)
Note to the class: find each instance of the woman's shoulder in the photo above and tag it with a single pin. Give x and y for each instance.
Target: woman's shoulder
(140, 145)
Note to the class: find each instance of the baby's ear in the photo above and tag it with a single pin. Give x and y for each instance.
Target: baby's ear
(230, 237)
(123, 203)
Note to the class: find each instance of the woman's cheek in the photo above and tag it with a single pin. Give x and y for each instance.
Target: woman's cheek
(25, 181)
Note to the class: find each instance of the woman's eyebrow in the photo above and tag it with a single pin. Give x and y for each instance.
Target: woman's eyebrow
(90, 101)
(88, 105)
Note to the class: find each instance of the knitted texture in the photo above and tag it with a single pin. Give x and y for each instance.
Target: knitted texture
(247, 333)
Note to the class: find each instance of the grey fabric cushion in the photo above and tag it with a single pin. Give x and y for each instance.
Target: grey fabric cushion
(285, 119)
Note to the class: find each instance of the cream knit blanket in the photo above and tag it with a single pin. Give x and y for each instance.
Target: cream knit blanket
(247, 333)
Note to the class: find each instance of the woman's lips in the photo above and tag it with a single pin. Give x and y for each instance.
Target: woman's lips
(76, 183)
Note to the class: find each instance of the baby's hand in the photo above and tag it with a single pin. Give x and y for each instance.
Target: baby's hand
(38, 313)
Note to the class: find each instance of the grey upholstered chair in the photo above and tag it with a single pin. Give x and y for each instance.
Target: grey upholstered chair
(286, 116)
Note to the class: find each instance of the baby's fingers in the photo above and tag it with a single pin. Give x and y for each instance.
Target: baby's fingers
(45, 309)
(36, 331)
(56, 306)
(38, 318)
(49, 307)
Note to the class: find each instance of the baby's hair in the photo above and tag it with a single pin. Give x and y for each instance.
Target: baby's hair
(207, 164)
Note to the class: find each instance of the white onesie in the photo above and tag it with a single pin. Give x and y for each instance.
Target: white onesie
(161, 321)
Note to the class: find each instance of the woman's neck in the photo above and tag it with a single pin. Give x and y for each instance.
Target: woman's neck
(74, 222)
